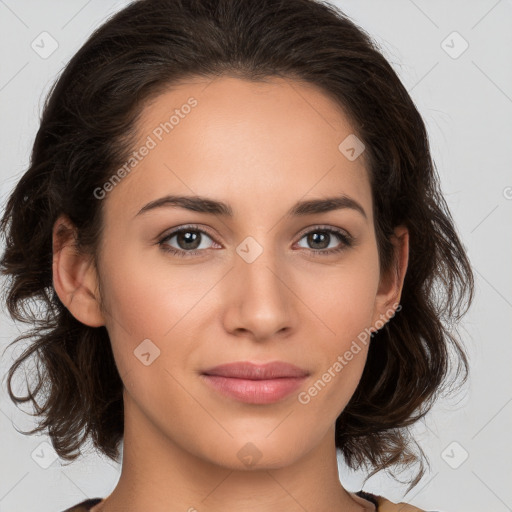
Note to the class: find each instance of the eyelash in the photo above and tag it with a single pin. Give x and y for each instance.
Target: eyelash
(347, 241)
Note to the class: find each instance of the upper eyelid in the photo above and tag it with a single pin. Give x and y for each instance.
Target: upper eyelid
(324, 227)
(191, 227)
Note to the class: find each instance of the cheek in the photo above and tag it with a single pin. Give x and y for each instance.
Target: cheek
(147, 297)
(343, 299)
(345, 310)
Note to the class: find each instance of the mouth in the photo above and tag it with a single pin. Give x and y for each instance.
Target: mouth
(255, 384)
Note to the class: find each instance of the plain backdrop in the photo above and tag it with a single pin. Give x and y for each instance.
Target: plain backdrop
(455, 59)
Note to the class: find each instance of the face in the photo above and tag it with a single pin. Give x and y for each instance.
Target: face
(259, 282)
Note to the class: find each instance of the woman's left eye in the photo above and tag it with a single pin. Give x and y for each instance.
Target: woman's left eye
(190, 241)
(322, 238)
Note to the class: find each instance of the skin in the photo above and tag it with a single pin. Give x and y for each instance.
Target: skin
(260, 147)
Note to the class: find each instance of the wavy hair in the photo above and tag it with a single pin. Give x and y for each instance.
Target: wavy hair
(87, 129)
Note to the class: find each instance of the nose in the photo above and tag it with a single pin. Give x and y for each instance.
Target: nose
(258, 298)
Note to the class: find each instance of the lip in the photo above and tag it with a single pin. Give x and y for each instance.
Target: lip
(255, 383)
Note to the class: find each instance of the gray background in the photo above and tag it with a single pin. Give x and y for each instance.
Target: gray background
(466, 100)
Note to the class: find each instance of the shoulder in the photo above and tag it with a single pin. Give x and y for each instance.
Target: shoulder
(84, 506)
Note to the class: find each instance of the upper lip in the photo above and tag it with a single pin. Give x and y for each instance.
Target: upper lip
(248, 370)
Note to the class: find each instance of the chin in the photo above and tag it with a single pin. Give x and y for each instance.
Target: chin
(246, 453)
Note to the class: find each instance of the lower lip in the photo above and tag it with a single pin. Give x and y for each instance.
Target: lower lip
(255, 391)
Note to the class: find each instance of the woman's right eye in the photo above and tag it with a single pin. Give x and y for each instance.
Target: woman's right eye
(189, 241)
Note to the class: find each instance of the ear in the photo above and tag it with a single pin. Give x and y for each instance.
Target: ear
(74, 275)
(391, 283)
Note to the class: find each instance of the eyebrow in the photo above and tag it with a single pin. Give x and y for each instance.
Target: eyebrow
(219, 208)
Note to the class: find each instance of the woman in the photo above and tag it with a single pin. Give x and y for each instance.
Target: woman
(310, 313)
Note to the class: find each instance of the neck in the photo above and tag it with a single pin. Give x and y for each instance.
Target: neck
(157, 473)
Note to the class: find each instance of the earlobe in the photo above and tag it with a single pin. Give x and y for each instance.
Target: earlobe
(74, 275)
(391, 284)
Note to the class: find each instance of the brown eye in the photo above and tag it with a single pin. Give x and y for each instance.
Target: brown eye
(327, 240)
(186, 241)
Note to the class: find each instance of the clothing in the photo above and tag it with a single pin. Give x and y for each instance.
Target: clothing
(84, 505)
(384, 505)
(381, 504)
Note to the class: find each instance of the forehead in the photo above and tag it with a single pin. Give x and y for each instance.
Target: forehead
(238, 140)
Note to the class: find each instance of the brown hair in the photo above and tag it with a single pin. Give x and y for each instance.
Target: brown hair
(87, 128)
